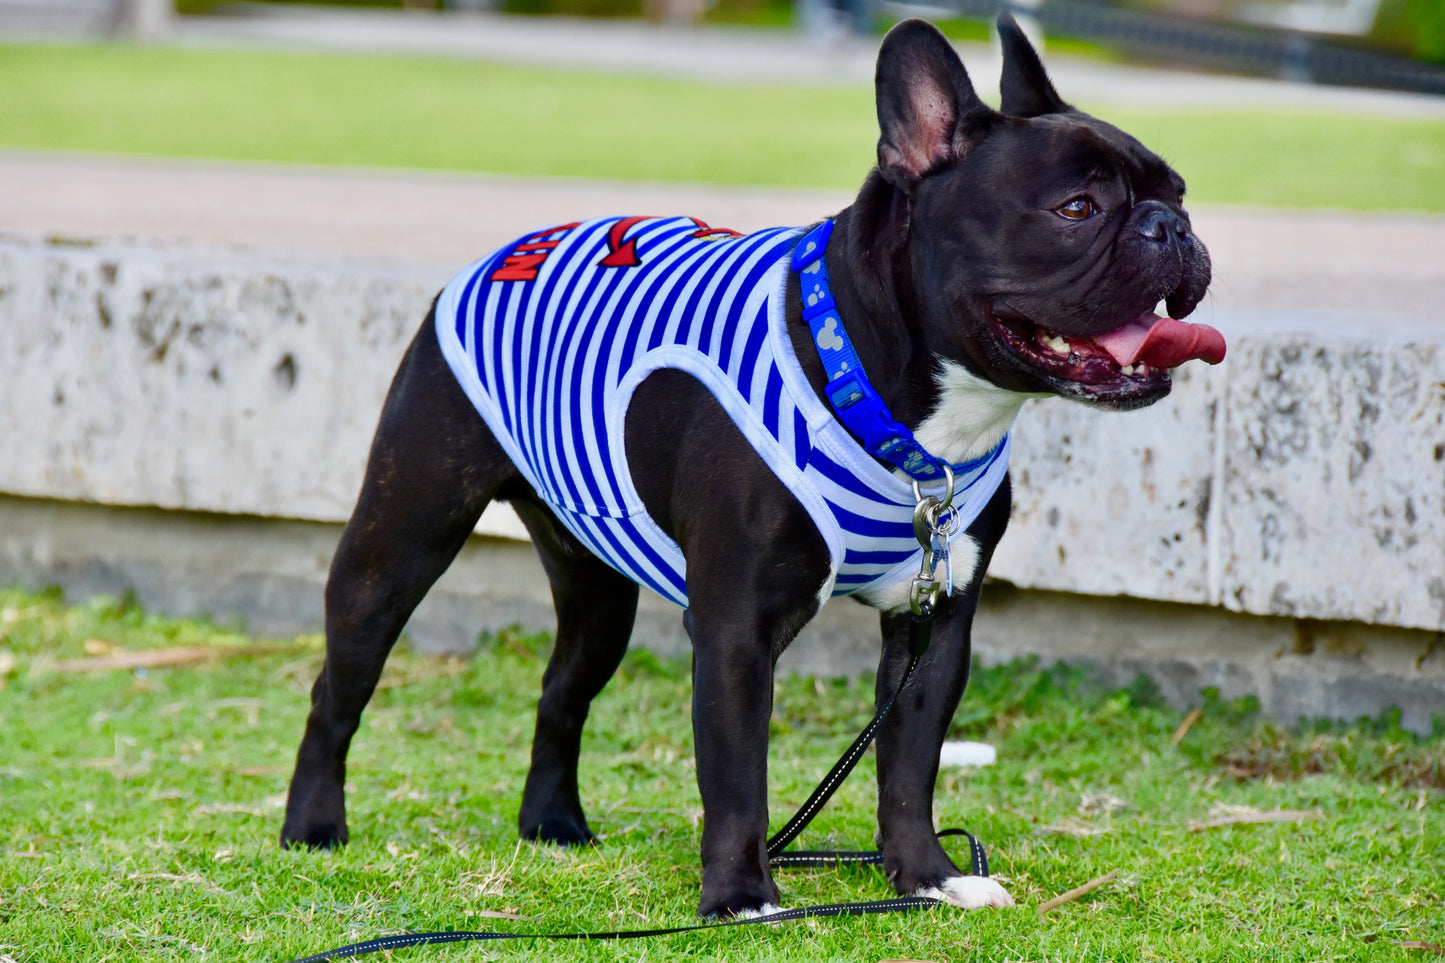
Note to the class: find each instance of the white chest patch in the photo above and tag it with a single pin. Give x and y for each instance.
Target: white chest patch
(972, 414)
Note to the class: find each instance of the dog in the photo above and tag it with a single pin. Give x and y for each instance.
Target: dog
(667, 404)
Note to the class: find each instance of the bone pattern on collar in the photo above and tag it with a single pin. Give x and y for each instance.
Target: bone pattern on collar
(849, 392)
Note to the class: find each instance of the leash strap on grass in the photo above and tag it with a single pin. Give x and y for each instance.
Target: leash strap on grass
(404, 940)
(920, 632)
(978, 859)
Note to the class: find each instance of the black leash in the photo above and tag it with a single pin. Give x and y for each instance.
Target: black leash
(919, 632)
(404, 940)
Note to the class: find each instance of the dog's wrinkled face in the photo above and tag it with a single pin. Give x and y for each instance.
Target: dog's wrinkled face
(1056, 235)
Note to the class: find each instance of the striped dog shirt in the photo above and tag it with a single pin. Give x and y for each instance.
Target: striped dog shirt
(550, 336)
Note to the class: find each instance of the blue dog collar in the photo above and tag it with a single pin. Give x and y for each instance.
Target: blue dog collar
(859, 407)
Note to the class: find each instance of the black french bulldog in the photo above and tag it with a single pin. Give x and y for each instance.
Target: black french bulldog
(991, 256)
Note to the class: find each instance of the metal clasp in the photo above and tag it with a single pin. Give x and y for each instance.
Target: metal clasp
(935, 521)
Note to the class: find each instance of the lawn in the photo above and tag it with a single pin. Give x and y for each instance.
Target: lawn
(469, 116)
(141, 809)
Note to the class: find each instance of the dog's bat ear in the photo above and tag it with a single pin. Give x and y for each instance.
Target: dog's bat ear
(927, 106)
(1027, 90)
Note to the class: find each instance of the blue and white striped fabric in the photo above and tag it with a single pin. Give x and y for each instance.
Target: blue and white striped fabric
(550, 336)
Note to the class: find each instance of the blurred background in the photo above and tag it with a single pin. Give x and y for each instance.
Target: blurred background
(1244, 96)
(1387, 43)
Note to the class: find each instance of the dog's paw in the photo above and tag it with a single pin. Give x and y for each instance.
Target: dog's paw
(320, 836)
(561, 832)
(969, 892)
(767, 909)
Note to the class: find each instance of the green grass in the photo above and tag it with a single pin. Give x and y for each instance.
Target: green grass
(468, 116)
(141, 809)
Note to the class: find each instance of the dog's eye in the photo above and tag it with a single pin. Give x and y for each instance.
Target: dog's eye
(1077, 209)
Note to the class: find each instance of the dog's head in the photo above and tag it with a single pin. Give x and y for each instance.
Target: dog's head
(1039, 239)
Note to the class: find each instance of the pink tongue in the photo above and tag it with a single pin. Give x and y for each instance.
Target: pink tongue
(1162, 342)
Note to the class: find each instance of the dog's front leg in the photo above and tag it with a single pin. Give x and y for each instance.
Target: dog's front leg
(756, 569)
(912, 735)
(732, 699)
(748, 597)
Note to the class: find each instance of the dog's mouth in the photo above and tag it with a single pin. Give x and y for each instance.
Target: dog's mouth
(1132, 360)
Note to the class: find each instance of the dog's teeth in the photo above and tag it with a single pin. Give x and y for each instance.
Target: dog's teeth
(1141, 368)
(1058, 345)
(1128, 369)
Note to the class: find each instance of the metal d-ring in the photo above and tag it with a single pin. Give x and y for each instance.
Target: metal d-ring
(947, 499)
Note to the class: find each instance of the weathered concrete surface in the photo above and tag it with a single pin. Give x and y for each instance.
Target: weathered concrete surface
(1334, 480)
(1304, 477)
(1117, 504)
(271, 572)
(140, 378)
(1296, 668)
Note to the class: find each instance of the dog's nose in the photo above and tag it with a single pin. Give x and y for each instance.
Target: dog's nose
(1159, 223)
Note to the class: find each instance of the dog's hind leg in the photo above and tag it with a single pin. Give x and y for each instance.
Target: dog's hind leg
(596, 607)
(433, 468)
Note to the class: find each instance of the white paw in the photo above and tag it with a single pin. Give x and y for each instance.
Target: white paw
(767, 909)
(969, 892)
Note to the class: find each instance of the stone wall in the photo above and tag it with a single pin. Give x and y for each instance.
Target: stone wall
(1304, 477)
(139, 377)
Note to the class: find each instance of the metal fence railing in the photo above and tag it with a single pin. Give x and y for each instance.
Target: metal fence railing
(1235, 47)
